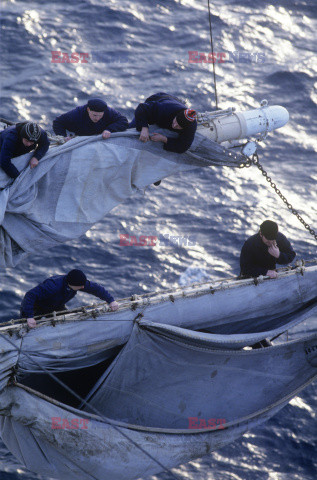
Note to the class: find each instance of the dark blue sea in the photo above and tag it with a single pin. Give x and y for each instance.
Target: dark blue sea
(136, 48)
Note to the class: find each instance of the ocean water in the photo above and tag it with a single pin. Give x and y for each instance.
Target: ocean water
(136, 48)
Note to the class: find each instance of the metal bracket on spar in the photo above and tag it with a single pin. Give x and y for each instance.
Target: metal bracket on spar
(249, 149)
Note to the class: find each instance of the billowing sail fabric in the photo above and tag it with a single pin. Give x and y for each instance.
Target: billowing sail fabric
(166, 376)
(65, 347)
(9, 356)
(170, 393)
(100, 451)
(72, 344)
(60, 199)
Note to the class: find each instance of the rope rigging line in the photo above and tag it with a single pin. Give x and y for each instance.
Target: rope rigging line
(92, 312)
(91, 407)
(8, 122)
(212, 53)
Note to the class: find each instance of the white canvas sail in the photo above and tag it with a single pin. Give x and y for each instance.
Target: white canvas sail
(241, 309)
(76, 184)
(161, 379)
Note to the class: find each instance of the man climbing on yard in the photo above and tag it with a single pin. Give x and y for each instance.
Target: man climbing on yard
(93, 118)
(168, 112)
(18, 140)
(52, 295)
(261, 252)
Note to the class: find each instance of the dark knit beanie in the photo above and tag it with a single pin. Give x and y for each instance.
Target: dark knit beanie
(269, 229)
(186, 117)
(97, 105)
(76, 278)
(30, 131)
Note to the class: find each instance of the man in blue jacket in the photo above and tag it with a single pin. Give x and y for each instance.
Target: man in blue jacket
(168, 112)
(52, 295)
(93, 118)
(262, 251)
(18, 140)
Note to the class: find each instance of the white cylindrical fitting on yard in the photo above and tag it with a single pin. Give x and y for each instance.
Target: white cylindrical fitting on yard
(240, 125)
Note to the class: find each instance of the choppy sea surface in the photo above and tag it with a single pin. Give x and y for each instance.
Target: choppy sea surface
(136, 48)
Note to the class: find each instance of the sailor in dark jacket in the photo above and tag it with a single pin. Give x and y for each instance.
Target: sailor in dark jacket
(168, 112)
(52, 294)
(262, 251)
(93, 118)
(18, 140)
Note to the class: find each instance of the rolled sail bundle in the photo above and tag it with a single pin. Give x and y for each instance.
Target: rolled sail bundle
(168, 394)
(59, 200)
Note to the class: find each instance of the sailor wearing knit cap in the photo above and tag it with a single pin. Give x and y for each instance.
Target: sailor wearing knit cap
(93, 118)
(52, 294)
(168, 112)
(18, 140)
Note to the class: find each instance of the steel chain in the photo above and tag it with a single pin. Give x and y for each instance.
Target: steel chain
(247, 163)
(255, 161)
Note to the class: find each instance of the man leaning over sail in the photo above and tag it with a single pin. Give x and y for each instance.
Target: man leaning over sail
(94, 118)
(52, 295)
(168, 112)
(18, 140)
(262, 251)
